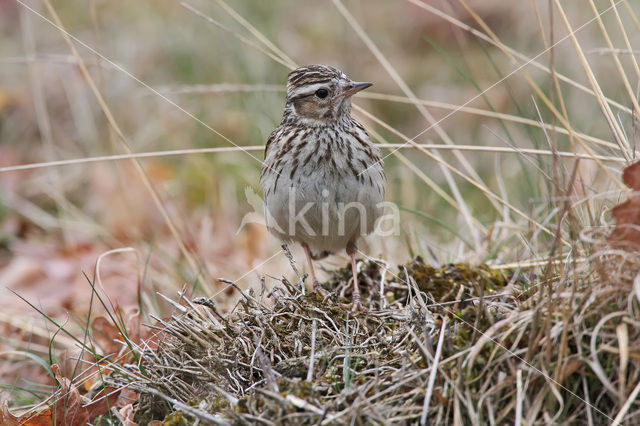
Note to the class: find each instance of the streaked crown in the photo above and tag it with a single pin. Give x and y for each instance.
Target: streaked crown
(305, 79)
(319, 94)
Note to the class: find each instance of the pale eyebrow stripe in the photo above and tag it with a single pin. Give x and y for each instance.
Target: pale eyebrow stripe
(308, 90)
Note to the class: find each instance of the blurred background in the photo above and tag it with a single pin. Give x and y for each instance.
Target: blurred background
(179, 75)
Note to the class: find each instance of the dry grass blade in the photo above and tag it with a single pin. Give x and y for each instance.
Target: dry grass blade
(626, 37)
(633, 397)
(541, 326)
(240, 37)
(219, 88)
(535, 87)
(433, 123)
(433, 373)
(259, 148)
(257, 34)
(491, 114)
(430, 183)
(631, 13)
(614, 56)
(616, 130)
(68, 37)
(116, 128)
(515, 53)
(485, 190)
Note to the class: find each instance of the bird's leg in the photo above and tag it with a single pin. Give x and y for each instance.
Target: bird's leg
(316, 285)
(357, 304)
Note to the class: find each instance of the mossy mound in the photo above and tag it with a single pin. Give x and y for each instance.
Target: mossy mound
(282, 357)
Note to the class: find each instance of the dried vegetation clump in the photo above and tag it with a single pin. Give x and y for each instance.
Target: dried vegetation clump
(452, 343)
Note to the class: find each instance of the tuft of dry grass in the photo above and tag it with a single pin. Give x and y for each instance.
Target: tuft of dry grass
(503, 354)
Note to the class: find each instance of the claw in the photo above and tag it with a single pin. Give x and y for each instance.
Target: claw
(317, 288)
(357, 306)
(354, 307)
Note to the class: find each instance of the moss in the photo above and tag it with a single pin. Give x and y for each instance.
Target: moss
(299, 388)
(242, 406)
(178, 418)
(444, 283)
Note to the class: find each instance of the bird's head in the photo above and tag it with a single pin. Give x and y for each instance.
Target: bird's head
(320, 94)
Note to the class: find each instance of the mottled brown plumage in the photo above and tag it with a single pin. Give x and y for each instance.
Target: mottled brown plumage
(322, 177)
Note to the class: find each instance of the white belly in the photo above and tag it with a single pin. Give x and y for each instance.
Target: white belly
(324, 213)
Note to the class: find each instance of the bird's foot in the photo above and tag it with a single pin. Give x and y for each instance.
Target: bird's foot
(356, 298)
(355, 306)
(317, 288)
(358, 306)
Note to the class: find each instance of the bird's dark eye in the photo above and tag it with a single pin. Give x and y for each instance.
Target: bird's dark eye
(322, 93)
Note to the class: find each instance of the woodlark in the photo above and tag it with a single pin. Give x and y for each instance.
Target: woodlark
(322, 177)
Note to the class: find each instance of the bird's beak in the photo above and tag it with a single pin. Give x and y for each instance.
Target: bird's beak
(353, 88)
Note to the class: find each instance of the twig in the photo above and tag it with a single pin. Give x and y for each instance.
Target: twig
(205, 301)
(313, 350)
(519, 398)
(242, 292)
(433, 374)
(292, 262)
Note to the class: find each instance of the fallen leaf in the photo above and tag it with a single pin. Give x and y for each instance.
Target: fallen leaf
(68, 408)
(106, 334)
(125, 415)
(21, 269)
(126, 397)
(6, 418)
(627, 215)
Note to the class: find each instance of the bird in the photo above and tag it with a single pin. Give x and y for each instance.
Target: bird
(323, 179)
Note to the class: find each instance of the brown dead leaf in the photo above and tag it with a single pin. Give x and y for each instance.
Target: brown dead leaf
(441, 398)
(6, 418)
(142, 335)
(125, 415)
(68, 408)
(20, 269)
(78, 365)
(126, 397)
(159, 172)
(631, 176)
(101, 403)
(105, 334)
(627, 215)
(109, 337)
